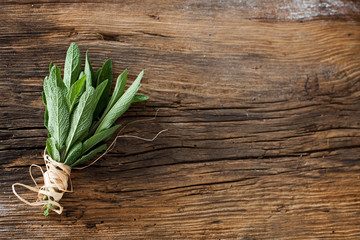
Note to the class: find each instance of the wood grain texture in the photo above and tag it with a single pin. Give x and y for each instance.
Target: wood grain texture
(262, 103)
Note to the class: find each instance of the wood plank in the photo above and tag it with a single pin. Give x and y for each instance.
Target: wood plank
(261, 101)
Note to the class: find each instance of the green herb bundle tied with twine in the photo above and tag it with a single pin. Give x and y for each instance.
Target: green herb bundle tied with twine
(80, 115)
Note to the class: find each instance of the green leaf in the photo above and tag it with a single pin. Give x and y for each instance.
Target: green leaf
(118, 92)
(46, 118)
(43, 97)
(88, 71)
(54, 79)
(74, 92)
(58, 122)
(57, 72)
(81, 118)
(97, 138)
(72, 67)
(97, 95)
(95, 77)
(121, 105)
(58, 111)
(90, 155)
(139, 98)
(50, 66)
(105, 74)
(82, 137)
(52, 150)
(98, 92)
(74, 154)
(81, 75)
(46, 113)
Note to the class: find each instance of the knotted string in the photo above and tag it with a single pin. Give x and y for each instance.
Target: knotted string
(56, 180)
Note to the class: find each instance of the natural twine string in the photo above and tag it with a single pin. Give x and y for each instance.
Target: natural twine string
(113, 144)
(125, 136)
(56, 179)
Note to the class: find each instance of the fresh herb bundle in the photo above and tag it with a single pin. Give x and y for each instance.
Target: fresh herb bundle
(80, 115)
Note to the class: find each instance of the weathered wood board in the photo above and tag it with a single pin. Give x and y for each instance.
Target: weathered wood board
(262, 103)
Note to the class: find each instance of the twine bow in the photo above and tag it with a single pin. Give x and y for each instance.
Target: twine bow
(56, 180)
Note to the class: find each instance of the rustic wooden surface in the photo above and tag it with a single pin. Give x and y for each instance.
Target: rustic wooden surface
(262, 103)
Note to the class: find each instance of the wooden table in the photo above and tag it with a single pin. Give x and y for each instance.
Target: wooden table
(262, 103)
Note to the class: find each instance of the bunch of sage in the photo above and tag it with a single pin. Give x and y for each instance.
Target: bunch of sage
(80, 115)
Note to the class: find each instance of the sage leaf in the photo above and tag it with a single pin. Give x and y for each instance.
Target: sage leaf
(118, 92)
(81, 75)
(88, 71)
(54, 80)
(74, 153)
(74, 92)
(89, 156)
(43, 97)
(95, 77)
(58, 122)
(46, 118)
(50, 66)
(97, 138)
(121, 105)
(46, 113)
(56, 73)
(81, 118)
(98, 92)
(58, 112)
(139, 98)
(106, 73)
(52, 149)
(72, 67)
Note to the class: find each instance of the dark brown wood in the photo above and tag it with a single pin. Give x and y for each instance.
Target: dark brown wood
(262, 103)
